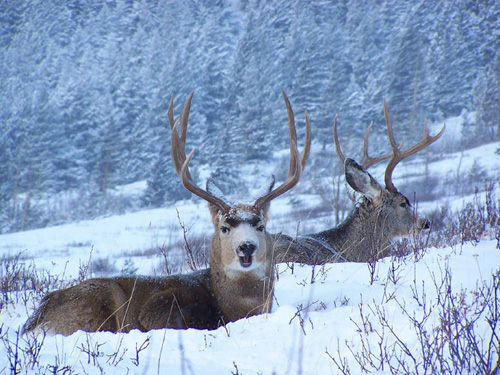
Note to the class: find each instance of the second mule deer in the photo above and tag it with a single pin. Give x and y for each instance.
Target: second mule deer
(381, 215)
(238, 283)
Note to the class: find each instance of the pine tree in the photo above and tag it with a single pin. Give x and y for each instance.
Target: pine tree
(163, 185)
(489, 105)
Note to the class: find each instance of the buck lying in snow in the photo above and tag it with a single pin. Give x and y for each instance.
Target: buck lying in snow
(381, 215)
(238, 283)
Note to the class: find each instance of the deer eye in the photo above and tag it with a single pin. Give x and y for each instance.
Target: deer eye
(261, 228)
(404, 205)
(224, 229)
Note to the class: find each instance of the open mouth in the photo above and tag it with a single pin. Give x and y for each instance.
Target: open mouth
(246, 261)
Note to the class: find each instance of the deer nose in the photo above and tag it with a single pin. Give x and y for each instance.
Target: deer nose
(247, 248)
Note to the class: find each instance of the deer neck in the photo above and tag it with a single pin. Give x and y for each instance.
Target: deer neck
(360, 237)
(241, 294)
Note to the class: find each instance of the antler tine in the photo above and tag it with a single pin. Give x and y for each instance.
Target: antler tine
(296, 162)
(340, 154)
(307, 146)
(368, 161)
(170, 112)
(178, 144)
(397, 154)
(291, 130)
(193, 188)
(178, 151)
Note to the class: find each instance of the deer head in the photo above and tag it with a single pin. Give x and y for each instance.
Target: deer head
(392, 206)
(240, 242)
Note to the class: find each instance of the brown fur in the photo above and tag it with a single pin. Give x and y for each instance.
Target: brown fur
(247, 295)
(125, 303)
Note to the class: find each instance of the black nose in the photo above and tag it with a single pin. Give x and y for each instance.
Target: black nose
(247, 248)
(426, 224)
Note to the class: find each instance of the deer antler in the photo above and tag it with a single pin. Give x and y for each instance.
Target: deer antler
(368, 161)
(397, 154)
(296, 163)
(178, 150)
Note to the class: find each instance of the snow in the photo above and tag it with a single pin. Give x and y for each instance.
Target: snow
(276, 342)
(110, 236)
(316, 309)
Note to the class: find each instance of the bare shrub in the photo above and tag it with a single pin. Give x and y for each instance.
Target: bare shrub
(11, 277)
(22, 351)
(20, 281)
(196, 248)
(457, 332)
(478, 219)
(192, 253)
(440, 218)
(169, 265)
(103, 267)
(93, 351)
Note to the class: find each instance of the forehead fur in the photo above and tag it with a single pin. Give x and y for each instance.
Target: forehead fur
(241, 213)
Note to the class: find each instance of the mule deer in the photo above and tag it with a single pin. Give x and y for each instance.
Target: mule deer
(238, 283)
(381, 215)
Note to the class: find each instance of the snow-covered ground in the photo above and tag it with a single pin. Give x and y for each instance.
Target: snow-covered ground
(317, 311)
(308, 319)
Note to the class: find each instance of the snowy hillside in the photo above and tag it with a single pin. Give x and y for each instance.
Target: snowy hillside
(403, 314)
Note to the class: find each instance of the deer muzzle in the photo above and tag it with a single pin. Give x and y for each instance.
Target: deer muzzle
(245, 253)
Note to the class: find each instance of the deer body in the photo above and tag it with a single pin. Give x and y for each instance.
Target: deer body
(204, 299)
(124, 303)
(382, 214)
(238, 283)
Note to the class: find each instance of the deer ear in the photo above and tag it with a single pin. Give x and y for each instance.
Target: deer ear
(361, 181)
